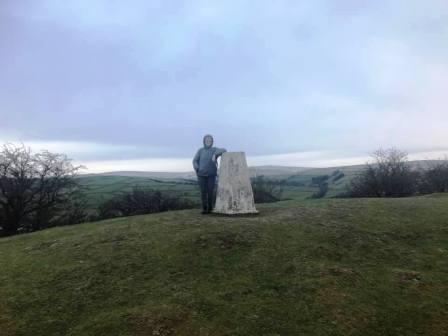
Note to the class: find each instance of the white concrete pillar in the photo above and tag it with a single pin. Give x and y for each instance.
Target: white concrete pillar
(234, 195)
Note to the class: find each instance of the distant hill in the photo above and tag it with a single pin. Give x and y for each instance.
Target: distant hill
(268, 170)
(276, 170)
(253, 171)
(157, 175)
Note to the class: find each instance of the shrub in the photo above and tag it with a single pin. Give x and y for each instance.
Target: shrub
(337, 175)
(323, 189)
(389, 176)
(322, 183)
(140, 201)
(435, 177)
(318, 180)
(266, 191)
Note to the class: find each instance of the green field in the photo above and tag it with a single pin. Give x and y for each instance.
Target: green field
(301, 267)
(98, 189)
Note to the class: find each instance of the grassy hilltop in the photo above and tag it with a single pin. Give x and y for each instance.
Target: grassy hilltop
(309, 267)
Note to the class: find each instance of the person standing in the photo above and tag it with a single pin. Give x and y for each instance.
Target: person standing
(205, 165)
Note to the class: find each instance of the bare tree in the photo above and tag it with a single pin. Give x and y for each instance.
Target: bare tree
(36, 190)
(435, 177)
(390, 175)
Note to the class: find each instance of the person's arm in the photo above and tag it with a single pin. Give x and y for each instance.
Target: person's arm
(218, 153)
(196, 161)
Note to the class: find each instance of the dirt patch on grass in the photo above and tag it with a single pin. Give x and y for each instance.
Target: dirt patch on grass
(338, 271)
(113, 239)
(438, 325)
(7, 325)
(330, 296)
(168, 321)
(226, 240)
(408, 276)
(340, 313)
(41, 246)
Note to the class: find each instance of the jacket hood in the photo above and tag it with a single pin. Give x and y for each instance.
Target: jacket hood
(205, 137)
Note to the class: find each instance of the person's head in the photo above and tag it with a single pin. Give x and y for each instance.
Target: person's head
(208, 140)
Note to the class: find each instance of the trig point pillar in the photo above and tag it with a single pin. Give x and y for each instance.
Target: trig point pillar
(234, 195)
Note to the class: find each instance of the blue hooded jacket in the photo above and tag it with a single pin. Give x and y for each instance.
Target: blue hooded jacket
(203, 163)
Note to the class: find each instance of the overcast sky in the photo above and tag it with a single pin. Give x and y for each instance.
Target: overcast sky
(134, 85)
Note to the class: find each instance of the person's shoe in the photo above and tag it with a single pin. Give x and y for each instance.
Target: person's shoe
(204, 212)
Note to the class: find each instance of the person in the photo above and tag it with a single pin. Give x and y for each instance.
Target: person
(205, 165)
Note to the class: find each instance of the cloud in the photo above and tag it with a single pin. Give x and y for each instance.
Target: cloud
(147, 79)
(300, 159)
(154, 165)
(79, 150)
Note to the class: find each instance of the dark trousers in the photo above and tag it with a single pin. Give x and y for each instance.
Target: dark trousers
(207, 187)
